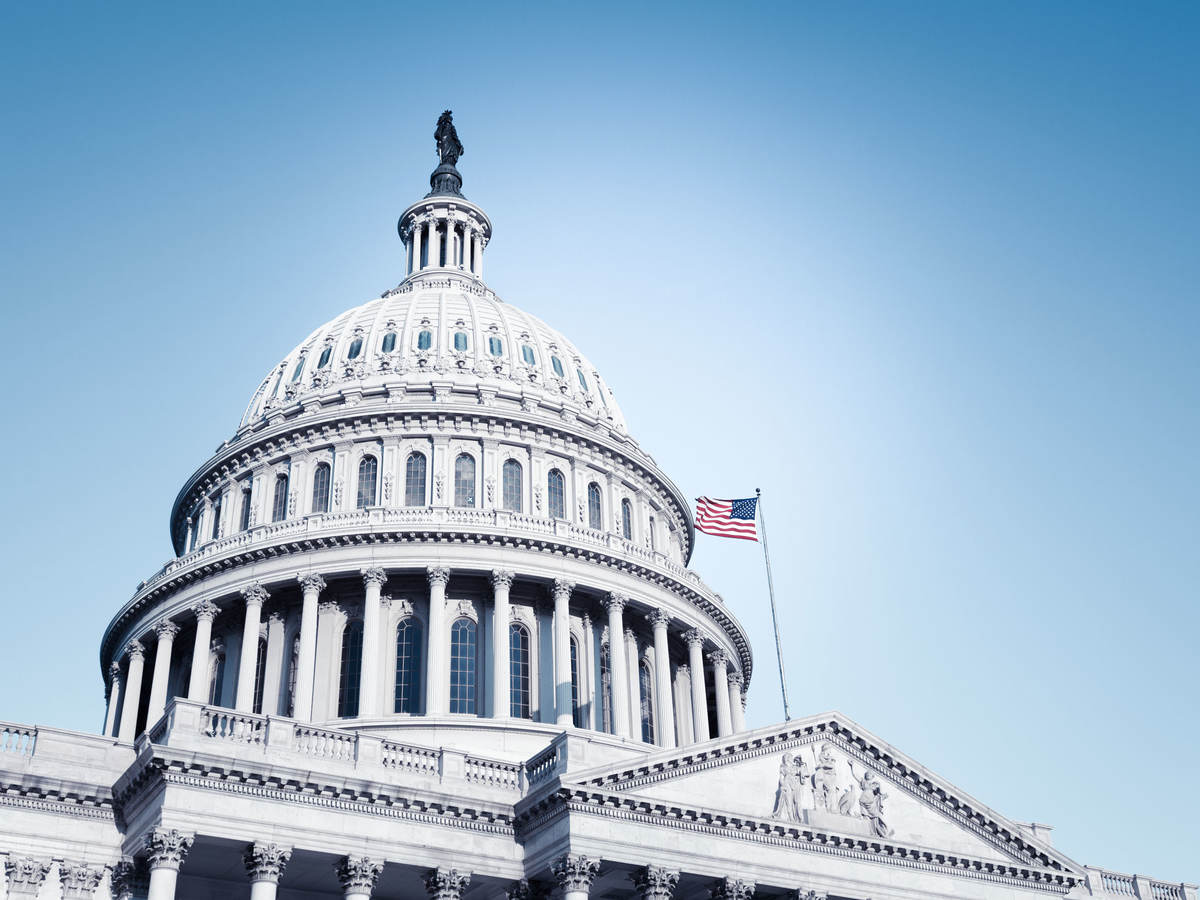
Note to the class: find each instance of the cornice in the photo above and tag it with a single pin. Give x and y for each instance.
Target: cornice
(57, 801)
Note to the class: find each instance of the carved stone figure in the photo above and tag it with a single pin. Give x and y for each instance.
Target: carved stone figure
(787, 795)
(825, 780)
(449, 147)
(870, 804)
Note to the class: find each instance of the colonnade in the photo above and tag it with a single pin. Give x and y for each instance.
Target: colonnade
(624, 687)
(443, 234)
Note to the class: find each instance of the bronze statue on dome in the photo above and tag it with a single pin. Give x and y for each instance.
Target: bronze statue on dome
(449, 147)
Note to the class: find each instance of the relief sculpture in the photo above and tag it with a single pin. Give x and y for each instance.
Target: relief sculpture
(826, 793)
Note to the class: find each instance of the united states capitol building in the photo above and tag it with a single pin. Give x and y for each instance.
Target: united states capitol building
(430, 631)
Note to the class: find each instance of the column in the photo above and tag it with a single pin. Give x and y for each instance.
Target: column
(437, 660)
(205, 611)
(735, 702)
(446, 884)
(368, 685)
(133, 690)
(695, 642)
(616, 663)
(634, 682)
(358, 875)
(733, 889)
(255, 596)
(477, 260)
(166, 631)
(114, 697)
(79, 882)
(25, 875)
(264, 865)
(574, 875)
(311, 584)
(166, 851)
(502, 580)
(467, 243)
(451, 243)
(431, 242)
(654, 883)
(586, 674)
(721, 688)
(414, 239)
(685, 732)
(564, 714)
(274, 670)
(665, 718)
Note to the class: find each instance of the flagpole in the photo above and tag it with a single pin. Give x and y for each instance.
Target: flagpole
(774, 616)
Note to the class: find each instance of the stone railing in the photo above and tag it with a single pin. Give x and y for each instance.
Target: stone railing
(1103, 883)
(19, 740)
(494, 773)
(545, 765)
(409, 758)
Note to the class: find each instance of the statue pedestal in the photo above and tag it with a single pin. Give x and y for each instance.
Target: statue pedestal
(819, 818)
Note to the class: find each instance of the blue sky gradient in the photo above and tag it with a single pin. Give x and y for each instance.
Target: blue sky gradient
(925, 273)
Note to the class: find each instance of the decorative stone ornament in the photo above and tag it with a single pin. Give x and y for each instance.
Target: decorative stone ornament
(616, 600)
(374, 576)
(502, 578)
(25, 875)
(79, 882)
(358, 874)
(206, 609)
(655, 882)
(446, 884)
(128, 878)
(574, 872)
(255, 595)
(438, 575)
(135, 650)
(266, 862)
(167, 849)
(166, 630)
(804, 894)
(731, 889)
(311, 582)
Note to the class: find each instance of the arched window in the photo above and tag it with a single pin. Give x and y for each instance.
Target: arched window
(414, 480)
(389, 342)
(653, 540)
(293, 665)
(495, 346)
(320, 497)
(216, 681)
(556, 363)
(368, 469)
(595, 519)
(554, 494)
(582, 380)
(512, 485)
(351, 670)
(216, 514)
(576, 708)
(325, 354)
(627, 520)
(260, 675)
(424, 340)
(462, 667)
(606, 717)
(518, 672)
(194, 522)
(408, 666)
(464, 480)
(646, 680)
(527, 355)
(355, 348)
(279, 507)
(460, 340)
(298, 371)
(247, 494)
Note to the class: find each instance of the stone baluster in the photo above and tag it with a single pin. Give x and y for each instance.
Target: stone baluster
(731, 889)
(165, 852)
(437, 678)
(264, 865)
(695, 642)
(205, 611)
(311, 585)
(79, 882)
(737, 701)
(254, 596)
(721, 688)
(564, 712)
(502, 580)
(133, 690)
(654, 883)
(114, 698)
(369, 671)
(358, 876)
(616, 664)
(446, 884)
(662, 679)
(25, 875)
(166, 631)
(575, 875)
(634, 682)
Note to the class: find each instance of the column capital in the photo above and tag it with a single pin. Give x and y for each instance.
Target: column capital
(166, 630)
(694, 638)
(255, 595)
(502, 578)
(803, 894)
(437, 575)
(446, 884)
(718, 658)
(682, 670)
(310, 581)
(127, 878)
(654, 882)
(575, 872)
(265, 862)
(629, 635)
(374, 575)
(731, 889)
(735, 677)
(167, 849)
(563, 586)
(586, 619)
(527, 890)
(616, 600)
(358, 873)
(79, 882)
(25, 875)
(114, 672)
(135, 649)
(205, 609)
(658, 617)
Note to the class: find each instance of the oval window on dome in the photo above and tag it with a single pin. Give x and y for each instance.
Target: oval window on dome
(324, 360)
(460, 340)
(582, 380)
(424, 340)
(557, 364)
(495, 346)
(355, 349)
(296, 372)
(527, 355)
(389, 342)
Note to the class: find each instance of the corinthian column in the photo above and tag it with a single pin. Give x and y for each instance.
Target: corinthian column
(166, 631)
(25, 875)
(721, 688)
(165, 851)
(133, 690)
(502, 580)
(735, 701)
(731, 889)
(368, 691)
(654, 883)
(446, 884)
(311, 584)
(564, 714)
(205, 611)
(695, 642)
(255, 596)
(415, 240)
(575, 875)
(114, 698)
(264, 865)
(79, 882)
(437, 678)
(634, 680)
(358, 875)
(662, 679)
(616, 663)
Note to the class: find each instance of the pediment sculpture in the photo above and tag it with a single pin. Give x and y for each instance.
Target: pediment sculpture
(822, 793)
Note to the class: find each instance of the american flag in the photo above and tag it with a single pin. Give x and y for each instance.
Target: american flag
(728, 518)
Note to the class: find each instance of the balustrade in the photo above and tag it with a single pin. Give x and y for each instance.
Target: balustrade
(324, 744)
(422, 760)
(227, 725)
(19, 740)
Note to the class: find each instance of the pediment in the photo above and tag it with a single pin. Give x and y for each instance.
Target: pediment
(826, 774)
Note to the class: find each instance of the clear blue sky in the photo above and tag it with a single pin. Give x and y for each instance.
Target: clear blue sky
(926, 273)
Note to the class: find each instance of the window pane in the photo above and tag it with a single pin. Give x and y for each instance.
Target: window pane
(557, 364)
(389, 342)
(464, 480)
(414, 480)
(460, 340)
(512, 485)
(355, 349)
(582, 380)
(216, 514)
(595, 519)
(576, 710)
(298, 370)
(462, 667)
(518, 670)
(424, 340)
(554, 492)
(606, 722)
(527, 355)
(351, 670)
(495, 346)
(647, 687)
(320, 496)
(626, 520)
(367, 471)
(652, 538)
(247, 493)
(260, 670)
(324, 360)
(408, 666)
(279, 506)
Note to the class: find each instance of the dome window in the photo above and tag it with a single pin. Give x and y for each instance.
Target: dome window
(527, 355)
(389, 342)
(414, 479)
(424, 340)
(298, 371)
(556, 494)
(511, 485)
(582, 380)
(324, 360)
(462, 667)
(355, 348)
(460, 340)
(495, 346)
(558, 369)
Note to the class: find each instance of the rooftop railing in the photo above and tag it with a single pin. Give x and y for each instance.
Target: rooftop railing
(1104, 883)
